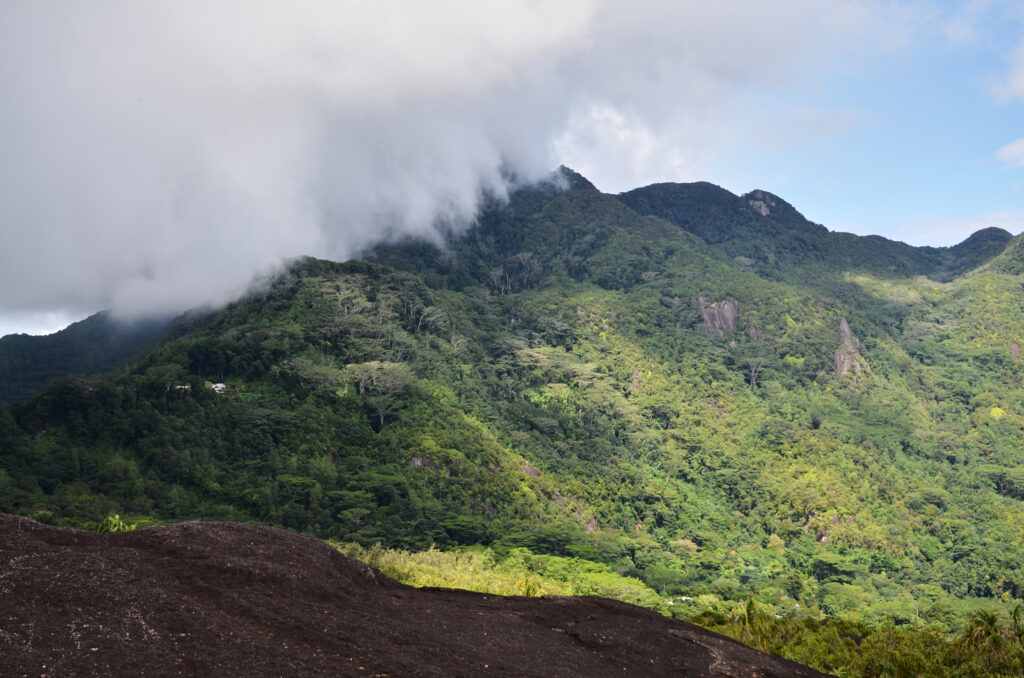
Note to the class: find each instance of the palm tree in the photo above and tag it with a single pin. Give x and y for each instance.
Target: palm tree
(986, 638)
(754, 621)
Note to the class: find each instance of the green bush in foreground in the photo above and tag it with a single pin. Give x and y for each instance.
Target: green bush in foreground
(114, 523)
(520, 573)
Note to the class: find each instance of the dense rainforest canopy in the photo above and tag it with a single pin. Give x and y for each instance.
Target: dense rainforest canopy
(698, 391)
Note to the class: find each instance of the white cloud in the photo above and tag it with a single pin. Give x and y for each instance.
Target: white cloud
(37, 323)
(992, 26)
(967, 21)
(619, 152)
(1011, 86)
(1006, 30)
(158, 155)
(1012, 154)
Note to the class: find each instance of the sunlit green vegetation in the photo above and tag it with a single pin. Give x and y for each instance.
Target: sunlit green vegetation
(549, 385)
(990, 642)
(517, 573)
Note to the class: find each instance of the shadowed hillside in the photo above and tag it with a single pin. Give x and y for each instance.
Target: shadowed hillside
(96, 344)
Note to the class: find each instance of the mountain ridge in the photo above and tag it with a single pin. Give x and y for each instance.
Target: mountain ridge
(95, 344)
(701, 208)
(574, 380)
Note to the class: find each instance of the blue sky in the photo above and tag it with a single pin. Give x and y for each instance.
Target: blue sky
(158, 158)
(918, 161)
(900, 139)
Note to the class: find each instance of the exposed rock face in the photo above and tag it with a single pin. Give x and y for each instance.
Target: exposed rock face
(719, 317)
(237, 600)
(529, 470)
(847, 359)
(761, 201)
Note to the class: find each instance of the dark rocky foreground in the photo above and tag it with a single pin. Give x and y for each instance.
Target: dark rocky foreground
(223, 599)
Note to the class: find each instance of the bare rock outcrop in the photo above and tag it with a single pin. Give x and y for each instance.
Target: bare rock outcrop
(224, 599)
(847, 359)
(761, 201)
(719, 317)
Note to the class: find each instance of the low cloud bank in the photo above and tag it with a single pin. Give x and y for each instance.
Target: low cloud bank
(158, 156)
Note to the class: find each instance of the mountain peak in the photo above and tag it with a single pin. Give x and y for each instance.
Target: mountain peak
(992, 234)
(575, 180)
(765, 202)
(1010, 259)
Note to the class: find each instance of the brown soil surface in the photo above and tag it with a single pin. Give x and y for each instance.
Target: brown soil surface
(220, 599)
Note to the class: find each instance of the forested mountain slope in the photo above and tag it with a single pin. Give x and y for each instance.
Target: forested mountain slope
(765, 233)
(96, 344)
(576, 379)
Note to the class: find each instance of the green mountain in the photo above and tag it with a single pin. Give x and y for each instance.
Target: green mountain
(97, 344)
(1011, 260)
(698, 390)
(766, 234)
